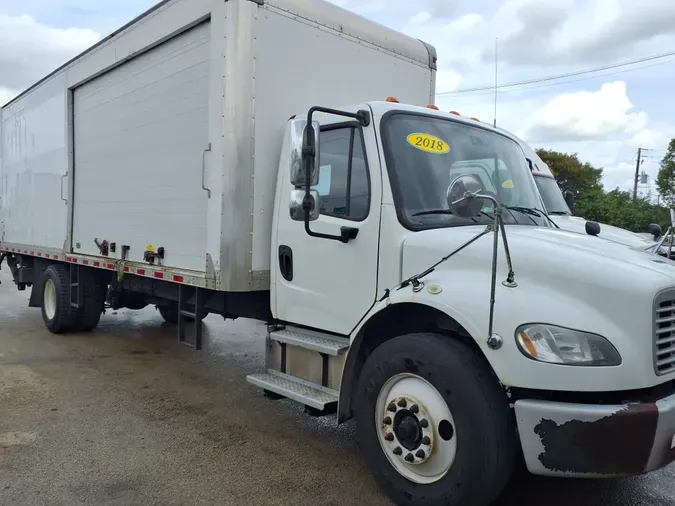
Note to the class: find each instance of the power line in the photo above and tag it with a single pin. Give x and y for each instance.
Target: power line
(546, 85)
(563, 76)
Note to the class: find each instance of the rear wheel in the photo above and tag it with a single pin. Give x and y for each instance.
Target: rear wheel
(91, 307)
(57, 313)
(433, 423)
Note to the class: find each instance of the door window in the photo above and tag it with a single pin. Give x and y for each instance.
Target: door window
(344, 185)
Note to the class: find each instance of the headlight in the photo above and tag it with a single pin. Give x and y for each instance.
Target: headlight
(558, 345)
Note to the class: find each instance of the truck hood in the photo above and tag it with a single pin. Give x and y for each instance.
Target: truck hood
(608, 232)
(541, 252)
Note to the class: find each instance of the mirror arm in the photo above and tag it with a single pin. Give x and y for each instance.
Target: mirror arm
(309, 158)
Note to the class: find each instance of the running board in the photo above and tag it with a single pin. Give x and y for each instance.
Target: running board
(304, 392)
(315, 341)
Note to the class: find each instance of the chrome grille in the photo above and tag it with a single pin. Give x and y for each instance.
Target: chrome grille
(664, 333)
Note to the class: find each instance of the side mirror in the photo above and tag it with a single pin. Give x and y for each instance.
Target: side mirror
(296, 209)
(592, 228)
(300, 131)
(655, 230)
(461, 196)
(569, 200)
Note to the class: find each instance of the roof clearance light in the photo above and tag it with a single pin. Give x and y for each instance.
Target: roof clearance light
(432, 106)
(455, 113)
(475, 119)
(393, 99)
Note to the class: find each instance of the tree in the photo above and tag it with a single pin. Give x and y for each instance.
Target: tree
(665, 181)
(572, 174)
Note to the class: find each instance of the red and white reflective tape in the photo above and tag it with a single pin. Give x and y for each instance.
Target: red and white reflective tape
(166, 274)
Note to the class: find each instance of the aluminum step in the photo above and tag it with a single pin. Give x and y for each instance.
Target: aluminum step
(296, 389)
(323, 343)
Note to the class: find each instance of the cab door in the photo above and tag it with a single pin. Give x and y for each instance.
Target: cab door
(323, 283)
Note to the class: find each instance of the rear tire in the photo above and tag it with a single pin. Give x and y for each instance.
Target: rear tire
(463, 447)
(57, 313)
(93, 293)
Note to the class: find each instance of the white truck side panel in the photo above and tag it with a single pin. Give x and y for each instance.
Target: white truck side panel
(293, 76)
(34, 162)
(139, 135)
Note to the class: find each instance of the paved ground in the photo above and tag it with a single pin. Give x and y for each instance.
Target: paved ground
(126, 416)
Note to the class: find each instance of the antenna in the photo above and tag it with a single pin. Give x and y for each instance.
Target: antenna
(496, 76)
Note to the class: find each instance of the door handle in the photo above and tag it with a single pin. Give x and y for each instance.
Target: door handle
(286, 262)
(62, 179)
(208, 148)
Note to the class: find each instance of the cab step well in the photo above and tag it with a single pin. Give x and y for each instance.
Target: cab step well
(305, 392)
(315, 341)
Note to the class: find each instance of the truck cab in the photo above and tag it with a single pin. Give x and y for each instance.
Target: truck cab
(370, 249)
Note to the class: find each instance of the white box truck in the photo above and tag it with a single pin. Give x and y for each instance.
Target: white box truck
(237, 158)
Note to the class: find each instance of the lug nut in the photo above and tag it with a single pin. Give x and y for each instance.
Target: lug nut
(426, 440)
(423, 423)
(392, 407)
(389, 437)
(420, 454)
(398, 451)
(410, 458)
(414, 409)
(402, 403)
(387, 420)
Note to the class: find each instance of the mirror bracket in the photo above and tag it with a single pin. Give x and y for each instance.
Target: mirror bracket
(309, 152)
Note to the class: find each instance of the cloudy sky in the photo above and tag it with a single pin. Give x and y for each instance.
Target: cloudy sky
(603, 116)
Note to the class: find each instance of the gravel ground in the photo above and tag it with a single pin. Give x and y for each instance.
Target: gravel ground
(126, 416)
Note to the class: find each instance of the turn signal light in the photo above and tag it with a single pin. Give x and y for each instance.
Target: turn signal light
(393, 99)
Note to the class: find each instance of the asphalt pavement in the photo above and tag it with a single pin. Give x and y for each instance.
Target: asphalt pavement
(124, 415)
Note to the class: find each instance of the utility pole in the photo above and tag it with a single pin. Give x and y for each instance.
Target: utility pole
(638, 163)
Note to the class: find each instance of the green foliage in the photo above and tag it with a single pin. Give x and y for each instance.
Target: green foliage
(571, 173)
(615, 207)
(665, 181)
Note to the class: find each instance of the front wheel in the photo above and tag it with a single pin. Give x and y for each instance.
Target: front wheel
(433, 423)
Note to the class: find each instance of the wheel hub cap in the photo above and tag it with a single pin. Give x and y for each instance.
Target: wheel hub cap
(415, 428)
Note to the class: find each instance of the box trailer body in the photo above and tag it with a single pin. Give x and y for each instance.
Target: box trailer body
(239, 158)
(167, 134)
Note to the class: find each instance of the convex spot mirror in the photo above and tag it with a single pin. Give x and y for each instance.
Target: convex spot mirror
(298, 128)
(461, 196)
(296, 209)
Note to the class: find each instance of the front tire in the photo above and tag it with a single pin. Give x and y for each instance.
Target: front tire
(433, 423)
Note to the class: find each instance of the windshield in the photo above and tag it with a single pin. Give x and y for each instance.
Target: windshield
(551, 195)
(425, 154)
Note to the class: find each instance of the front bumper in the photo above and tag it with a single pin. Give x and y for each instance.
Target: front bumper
(590, 440)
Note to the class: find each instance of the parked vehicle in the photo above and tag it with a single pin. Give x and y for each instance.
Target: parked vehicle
(237, 158)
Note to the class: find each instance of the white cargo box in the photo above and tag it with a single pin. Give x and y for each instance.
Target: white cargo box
(170, 130)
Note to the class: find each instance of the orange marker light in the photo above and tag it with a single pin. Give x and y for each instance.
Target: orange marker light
(455, 113)
(528, 345)
(393, 99)
(431, 106)
(475, 119)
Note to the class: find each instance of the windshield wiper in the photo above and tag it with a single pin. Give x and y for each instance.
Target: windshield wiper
(559, 213)
(532, 211)
(445, 211)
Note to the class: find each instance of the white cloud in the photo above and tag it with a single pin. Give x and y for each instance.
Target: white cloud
(29, 50)
(558, 32)
(599, 115)
(420, 18)
(7, 94)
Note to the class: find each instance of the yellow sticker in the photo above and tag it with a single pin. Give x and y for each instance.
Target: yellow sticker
(150, 248)
(428, 143)
(508, 184)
